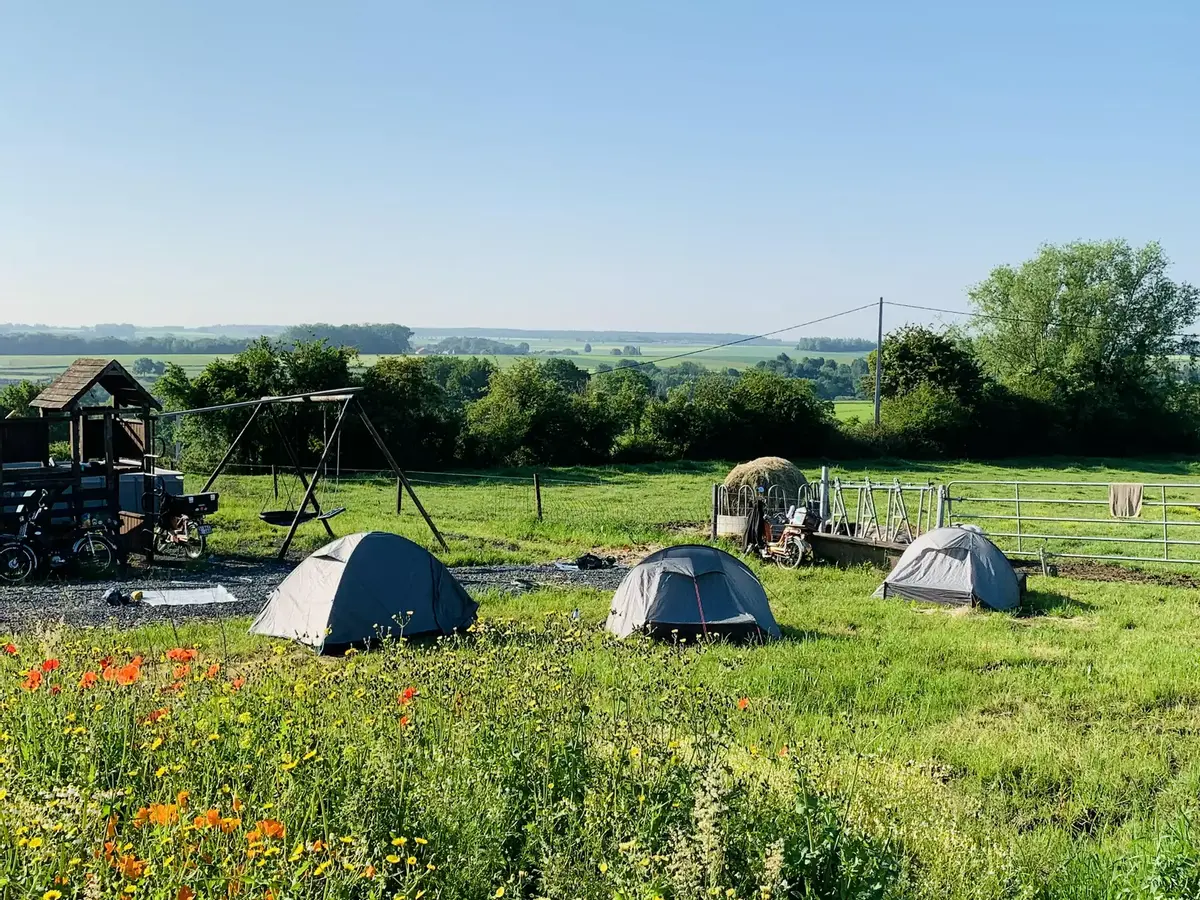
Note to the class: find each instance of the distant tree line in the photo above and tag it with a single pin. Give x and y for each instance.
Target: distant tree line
(477, 346)
(834, 345)
(45, 343)
(831, 379)
(370, 338)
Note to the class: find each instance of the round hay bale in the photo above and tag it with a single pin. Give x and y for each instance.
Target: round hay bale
(773, 474)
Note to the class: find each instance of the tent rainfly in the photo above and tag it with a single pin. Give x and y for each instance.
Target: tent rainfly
(691, 590)
(954, 565)
(364, 586)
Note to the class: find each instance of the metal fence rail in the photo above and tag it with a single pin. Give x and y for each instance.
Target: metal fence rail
(1030, 506)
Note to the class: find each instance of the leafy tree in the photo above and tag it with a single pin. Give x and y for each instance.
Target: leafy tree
(630, 350)
(419, 419)
(16, 397)
(566, 375)
(587, 348)
(1085, 316)
(624, 393)
(465, 379)
(914, 356)
(528, 416)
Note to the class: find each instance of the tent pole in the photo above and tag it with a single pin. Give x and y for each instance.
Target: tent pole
(229, 452)
(308, 492)
(391, 461)
(299, 469)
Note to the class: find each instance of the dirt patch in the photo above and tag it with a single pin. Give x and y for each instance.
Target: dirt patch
(1113, 572)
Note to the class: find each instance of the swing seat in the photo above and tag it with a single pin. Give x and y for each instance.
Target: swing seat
(282, 518)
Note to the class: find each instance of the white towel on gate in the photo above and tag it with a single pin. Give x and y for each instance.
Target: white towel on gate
(1125, 500)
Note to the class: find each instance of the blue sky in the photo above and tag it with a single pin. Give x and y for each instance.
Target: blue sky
(689, 166)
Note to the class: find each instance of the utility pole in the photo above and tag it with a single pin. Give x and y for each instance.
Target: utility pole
(879, 364)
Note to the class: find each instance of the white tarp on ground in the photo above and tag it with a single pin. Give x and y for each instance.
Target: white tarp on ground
(188, 596)
(954, 565)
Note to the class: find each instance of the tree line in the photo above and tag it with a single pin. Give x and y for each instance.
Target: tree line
(1082, 350)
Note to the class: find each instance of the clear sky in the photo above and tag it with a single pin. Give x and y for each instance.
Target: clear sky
(711, 166)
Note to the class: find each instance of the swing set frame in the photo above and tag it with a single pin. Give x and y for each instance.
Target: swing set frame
(348, 398)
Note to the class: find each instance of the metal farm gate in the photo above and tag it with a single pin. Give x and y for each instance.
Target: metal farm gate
(1074, 520)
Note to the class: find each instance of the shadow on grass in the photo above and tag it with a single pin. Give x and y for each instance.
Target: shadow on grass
(1051, 603)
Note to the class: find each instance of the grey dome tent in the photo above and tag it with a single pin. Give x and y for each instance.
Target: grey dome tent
(364, 586)
(955, 565)
(691, 590)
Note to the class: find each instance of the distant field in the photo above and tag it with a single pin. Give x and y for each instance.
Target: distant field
(45, 367)
(741, 356)
(845, 410)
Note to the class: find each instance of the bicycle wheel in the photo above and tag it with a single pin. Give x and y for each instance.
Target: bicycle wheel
(17, 562)
(95, 555)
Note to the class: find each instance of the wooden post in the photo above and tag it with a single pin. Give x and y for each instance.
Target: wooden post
(879, 365)
(716, 509)
(399, 496)
(275, 480)
(537, 493)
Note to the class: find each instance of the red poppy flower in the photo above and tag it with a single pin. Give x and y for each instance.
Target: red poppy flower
(10, 649)
(50, 665)
(33, 680)
(743, 703)
(212, 671)
(237, 683)
(180, 655)
(88, 680)
(407, 696)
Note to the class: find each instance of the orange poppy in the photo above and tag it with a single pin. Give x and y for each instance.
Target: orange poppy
(408, 695)
(272, 828)
(404, 721)
(129, 674)
(33, 680)
(131, 867)
(181, 799)
(743, 703)
(181, 671)
(179, 654)
(212, 671)
(141, 817)
(10, 649)
(50, 665)
(237, 683)
(185, 893)
(88, 680)
(164, 814)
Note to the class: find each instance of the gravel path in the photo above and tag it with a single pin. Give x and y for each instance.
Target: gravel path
(250, 580)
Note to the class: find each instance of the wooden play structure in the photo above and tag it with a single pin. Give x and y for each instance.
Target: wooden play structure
(109, 421)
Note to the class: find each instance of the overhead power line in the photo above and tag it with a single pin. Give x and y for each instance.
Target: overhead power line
(746, 340)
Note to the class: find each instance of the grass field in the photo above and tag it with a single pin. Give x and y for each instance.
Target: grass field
(845, 410)
(37, 368)
(880, 750)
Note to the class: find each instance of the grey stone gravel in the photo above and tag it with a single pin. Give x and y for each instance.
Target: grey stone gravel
(77, 603)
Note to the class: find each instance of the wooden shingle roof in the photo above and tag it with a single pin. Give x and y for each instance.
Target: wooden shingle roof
(66, 391)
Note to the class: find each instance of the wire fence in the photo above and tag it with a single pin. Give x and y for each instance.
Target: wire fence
(504, 510)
